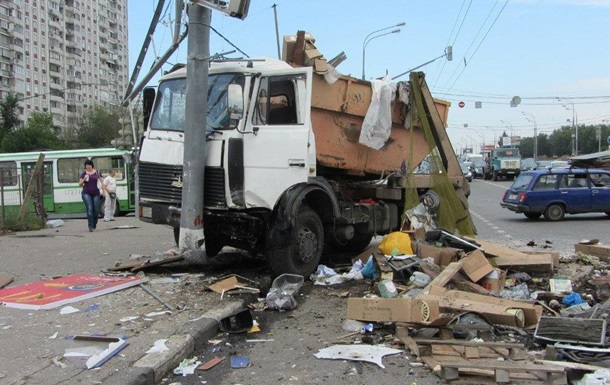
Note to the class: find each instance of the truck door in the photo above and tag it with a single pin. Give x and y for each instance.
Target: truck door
(275, 155)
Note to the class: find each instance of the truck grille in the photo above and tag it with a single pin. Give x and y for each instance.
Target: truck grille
(164, 183)
(155, 181)
(514, 164)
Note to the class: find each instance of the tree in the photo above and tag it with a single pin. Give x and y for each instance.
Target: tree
(8, 115)
(98, 126)
(38, 134)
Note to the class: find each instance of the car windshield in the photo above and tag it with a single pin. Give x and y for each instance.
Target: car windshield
(522, 181)
(170, 105)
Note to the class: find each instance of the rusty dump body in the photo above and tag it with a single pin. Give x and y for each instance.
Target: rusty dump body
(338, 111)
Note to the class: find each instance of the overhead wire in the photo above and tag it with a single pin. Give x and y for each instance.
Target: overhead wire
(434, 76)
(480, 43)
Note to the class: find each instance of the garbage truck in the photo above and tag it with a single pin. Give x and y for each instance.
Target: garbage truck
(286, 176)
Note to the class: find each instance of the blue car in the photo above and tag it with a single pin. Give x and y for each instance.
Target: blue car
(559, 191)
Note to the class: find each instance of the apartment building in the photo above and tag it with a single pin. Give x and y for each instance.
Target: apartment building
(63, 56)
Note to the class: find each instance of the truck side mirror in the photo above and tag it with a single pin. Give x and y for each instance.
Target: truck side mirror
(148, 98)
(235, 102)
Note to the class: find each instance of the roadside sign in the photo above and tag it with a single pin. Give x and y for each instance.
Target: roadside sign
(461, 104)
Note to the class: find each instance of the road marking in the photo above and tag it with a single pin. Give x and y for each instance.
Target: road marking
(491, 225)
(496, 185)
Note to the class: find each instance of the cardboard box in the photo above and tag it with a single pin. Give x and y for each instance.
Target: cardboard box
(320, 66)
(497, 310)
(310, 55)
(392, 310)
(442, 256)
(494, 281)
(601, 251)
(289, 44)
(476, 266)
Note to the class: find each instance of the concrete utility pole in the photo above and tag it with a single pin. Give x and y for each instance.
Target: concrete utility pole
(191, 219)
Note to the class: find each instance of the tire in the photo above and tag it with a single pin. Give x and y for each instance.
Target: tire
(554, 212)
(532, 215)
(494, 175)
(211, 248)
(355, 245)
(302, 254)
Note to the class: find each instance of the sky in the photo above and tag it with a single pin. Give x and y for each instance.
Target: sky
(553, 55)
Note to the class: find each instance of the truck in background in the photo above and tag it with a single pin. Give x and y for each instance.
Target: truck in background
(285, 174)
(503, 162)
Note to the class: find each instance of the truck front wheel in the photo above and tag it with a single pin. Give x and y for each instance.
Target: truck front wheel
(302, 254)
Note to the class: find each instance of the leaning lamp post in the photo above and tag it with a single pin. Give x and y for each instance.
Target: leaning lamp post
(370, 37)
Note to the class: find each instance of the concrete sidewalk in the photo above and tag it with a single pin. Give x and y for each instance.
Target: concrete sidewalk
(33, 341)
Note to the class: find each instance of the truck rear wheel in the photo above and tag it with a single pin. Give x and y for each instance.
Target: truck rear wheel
(302, 254)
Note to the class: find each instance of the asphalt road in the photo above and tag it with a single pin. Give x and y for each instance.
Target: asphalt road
(495, 223)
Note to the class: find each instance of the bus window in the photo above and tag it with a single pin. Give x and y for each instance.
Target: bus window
(105, 163)
(69, 169)
(8, 173)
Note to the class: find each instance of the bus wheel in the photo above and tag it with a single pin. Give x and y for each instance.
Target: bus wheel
(302, 253)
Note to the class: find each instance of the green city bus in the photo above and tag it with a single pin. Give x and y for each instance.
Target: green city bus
(61, 194)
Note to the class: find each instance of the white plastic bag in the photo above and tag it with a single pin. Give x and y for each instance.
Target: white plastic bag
(377, 123)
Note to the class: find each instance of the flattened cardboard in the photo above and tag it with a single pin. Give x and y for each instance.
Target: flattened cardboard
(391, 310)
(476, 266)
(494, 281)
(506, 258)
(442, 256)
(495, 309)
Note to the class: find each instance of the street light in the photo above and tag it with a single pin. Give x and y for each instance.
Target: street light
(367, 40)
(447, 54)
(535, 133)
(574, 122)
(599, 135)
(510, 125)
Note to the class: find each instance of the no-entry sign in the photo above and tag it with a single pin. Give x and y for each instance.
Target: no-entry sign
(461, 104)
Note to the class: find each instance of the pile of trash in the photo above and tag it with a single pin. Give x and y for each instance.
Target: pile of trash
(472, 310)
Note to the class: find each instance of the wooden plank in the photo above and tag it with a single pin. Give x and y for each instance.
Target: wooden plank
(506, 365)
(5, 279)
(572, 365)
(30, 188)
(157, 263)
(445, 276)
(469, 343)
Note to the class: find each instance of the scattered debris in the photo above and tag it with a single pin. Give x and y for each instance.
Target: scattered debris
(93, 351)
(238, 362)
(366, 353)
(239, 322)
(155, 296)
(283, 289)
(187, 366)
(158, 347)
(211, 363)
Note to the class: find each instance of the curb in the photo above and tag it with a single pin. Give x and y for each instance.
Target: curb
(152, 367)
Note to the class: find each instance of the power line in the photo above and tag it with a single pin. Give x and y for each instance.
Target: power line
(477, 49)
